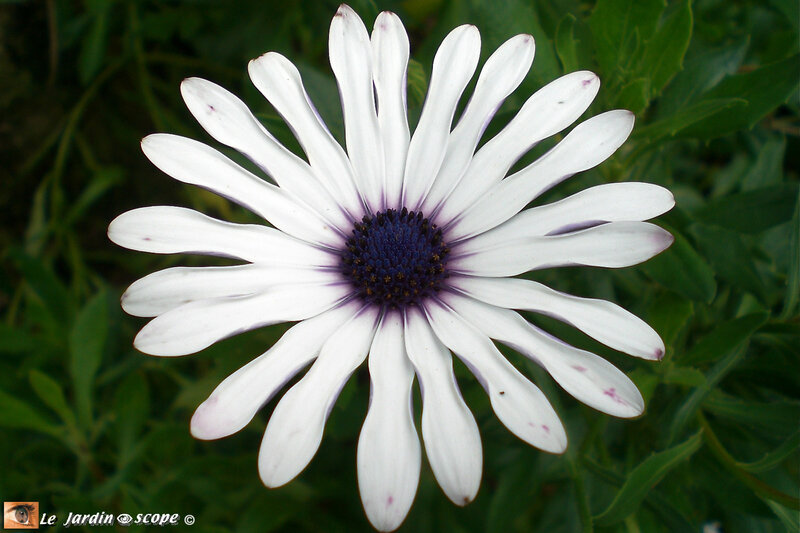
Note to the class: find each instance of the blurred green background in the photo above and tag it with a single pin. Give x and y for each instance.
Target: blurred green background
(89, 424)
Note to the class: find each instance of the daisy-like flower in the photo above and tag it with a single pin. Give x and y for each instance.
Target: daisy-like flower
(398, 250)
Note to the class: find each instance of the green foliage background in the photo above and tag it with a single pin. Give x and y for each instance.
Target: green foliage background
(89, 424)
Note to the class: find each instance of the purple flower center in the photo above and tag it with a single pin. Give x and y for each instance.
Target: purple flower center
(395, 258)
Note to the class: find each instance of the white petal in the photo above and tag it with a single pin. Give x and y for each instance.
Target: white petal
(280, 82)
(389, 453)
(589, 378)
(452, 440)
(199, 324)
(605, 321)
(453, 67)
(611, 202)
(612, 245)
(193, 162)
(167, 289)
(177, 230)
(551, 109)
(518, 403)
(295, 429)
(351, 60)
(586, 146)
(236, 400)
(228, 120)
(503, 72)
(390, 51)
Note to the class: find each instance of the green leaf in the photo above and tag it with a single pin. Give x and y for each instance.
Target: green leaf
(683, 270)
(700, 74)
(15, 413)
(52, 395)
(682, 375)
(582, 498)
(775, 457)
(644, 477)
(500, 21)
(103, 180)
(196, 392)
(673, 125)
(45, 285)
(764, 89)
(93, 49)
(763, 490)
(725, 337)
(793, 280)
(790, 9)
(37, 231)
(645, 381)
(752, 211)
(730, 258)
(132, 407)
(650, 55)
(663, 56)
(670, 516)
(777, 416)
(768, 168)
(324, 93)
(565, 44)
(669, 315)
(618, 26)
(511, 496)
(733, 354)
(790, 518)
(417, 83)
(15, 340)
(420, 9)
(86, 344)
(635, 95)
(265, 514)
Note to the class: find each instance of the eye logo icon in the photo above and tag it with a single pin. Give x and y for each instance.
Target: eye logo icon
(20, 515)
(124, 519)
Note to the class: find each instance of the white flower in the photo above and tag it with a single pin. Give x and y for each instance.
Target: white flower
(403, 249)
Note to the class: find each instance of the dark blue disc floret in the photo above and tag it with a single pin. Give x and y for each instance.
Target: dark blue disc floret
(395, 258)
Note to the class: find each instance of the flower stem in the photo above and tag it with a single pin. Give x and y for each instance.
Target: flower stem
(753, 483)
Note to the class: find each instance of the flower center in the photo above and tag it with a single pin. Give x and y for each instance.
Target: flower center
(395, 258)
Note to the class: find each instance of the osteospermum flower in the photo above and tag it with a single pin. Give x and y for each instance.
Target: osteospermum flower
(399, 250)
